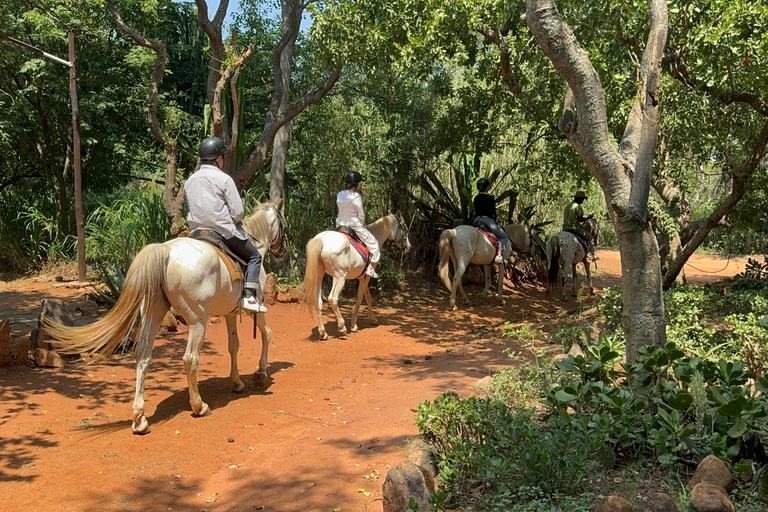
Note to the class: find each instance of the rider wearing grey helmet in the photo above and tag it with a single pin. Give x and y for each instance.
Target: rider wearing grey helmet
(485, 215)
(351, 214)
(214, 203)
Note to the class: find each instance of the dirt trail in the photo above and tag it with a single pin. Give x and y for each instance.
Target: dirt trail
(335, 416)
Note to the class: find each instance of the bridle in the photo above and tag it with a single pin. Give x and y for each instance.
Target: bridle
(400, 234)
(276, 245)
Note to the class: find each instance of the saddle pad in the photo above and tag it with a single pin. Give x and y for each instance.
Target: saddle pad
(359, 246)
(235, 270)
(491, 238)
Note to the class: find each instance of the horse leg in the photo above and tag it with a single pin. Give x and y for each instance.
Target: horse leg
(149, 330)
(500, 284)
(234, 346)
(574, 293)
(589, 276)
(461, 267)
(369, 302)
(362, 285)
(260, 375)
(487, 274)
(333, 300)
(322, 335)
(191, 360)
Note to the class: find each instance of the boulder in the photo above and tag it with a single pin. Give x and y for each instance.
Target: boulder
(5, 342)
(613, 504)
(20, 350)
(421, 455)
(269, 296)
(296, 293)
(47, 358)
(710, 498)
(169, 322)
(88, 308)
(655, 502)
(483, 385)
(576, 351)
(403, 482)
(56, 310)
(283, 297)
(712, 470)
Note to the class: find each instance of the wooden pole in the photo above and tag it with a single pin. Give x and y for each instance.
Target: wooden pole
(79, 218)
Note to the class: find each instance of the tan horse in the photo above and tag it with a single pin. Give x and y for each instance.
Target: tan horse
(565, 251)
(466, 244)
(331, 253)
(188, 275)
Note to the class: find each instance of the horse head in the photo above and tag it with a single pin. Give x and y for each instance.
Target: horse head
(269, 216)
(399, 233)
(592, 226)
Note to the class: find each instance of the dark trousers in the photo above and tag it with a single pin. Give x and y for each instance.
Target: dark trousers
(494, 228)
(583, 233)
(248, 252)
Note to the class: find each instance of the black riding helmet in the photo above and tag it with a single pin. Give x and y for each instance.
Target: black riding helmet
(352, 178)
(483, 184)
(211, 148)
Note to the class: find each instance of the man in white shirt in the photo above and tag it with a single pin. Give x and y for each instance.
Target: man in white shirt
(214, 203)
(351, 214)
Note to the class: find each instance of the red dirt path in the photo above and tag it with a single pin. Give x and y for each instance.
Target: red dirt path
(335, 416)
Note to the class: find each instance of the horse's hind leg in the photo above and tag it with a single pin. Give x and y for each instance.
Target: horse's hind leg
(487, 274)
(149, 330)
(260, 375)
(589, 276)
(574, 293)
(191, 360)
(362, 292)
(333, 300)
(234, 347)
(369, 302)
(500, 284)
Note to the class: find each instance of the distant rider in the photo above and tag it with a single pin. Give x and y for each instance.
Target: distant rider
(214, 203)
(485, 214)
(573, 216)
(351, 215)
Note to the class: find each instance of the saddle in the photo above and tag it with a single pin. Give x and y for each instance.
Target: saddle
(235, 265)
(358, 244)
(580, 239)
(492, 238)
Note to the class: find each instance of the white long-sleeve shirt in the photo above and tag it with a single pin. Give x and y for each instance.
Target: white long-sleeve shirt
(213, 202)
(350, 205)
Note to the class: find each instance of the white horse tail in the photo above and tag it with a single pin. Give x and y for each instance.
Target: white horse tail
(446, 254)
(553, 259)
(313, 275)
(142, 288)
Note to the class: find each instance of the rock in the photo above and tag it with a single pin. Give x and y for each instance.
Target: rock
(655, 502)
(296, 293)
(38, 338)
(5, 342)
(170, 323)
(283, 297)
(483, 385)
(576, 351)
(88, 309)
(421, 455)
(710, 498)
(56, 310)
(558, 357)
(712, 470)
(19, 351)
(269, 296)
(403, 482)
(47, 358)
(613, 504)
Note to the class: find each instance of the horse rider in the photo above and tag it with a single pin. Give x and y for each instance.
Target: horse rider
(485, 215)
(214, 203)
(351, 215)
(573, 216)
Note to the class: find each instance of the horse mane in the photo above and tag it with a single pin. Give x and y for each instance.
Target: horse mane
(257, 224)
(384, 222)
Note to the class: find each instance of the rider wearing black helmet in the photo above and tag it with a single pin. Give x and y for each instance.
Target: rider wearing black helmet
(485, 215)
(214, 203)
(351, 214)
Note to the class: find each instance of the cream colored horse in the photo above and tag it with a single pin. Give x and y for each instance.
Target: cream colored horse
(466, 244)
(188, 275)
(330, 252)
(565, 251)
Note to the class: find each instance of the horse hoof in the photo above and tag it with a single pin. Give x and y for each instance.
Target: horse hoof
(260, 379)
(239, 387)
(204, 410)
(142, 428)
(343, 332)
(373, 321)
(354, 328)
(323, 336)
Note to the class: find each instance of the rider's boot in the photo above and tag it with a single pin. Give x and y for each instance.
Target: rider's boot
(498, 259)
(371, 271)
(250, 302)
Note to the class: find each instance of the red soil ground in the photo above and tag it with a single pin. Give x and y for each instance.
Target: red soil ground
(335, 417)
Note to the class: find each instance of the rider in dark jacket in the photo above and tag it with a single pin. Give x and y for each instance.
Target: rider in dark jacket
(485, 215)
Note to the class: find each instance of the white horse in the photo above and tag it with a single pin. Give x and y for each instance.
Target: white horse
(189, 275)
(463, 245)
(565, 251)
(330, 252)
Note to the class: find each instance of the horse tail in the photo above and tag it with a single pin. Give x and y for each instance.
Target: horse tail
(142, 288)
(312, 275)
(553, 259)
(446, 253)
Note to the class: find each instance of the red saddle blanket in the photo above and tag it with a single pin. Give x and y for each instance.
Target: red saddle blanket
(491, 238)
(359, 246)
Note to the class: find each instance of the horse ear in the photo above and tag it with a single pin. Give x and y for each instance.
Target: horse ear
(257, 202)
(280, 203)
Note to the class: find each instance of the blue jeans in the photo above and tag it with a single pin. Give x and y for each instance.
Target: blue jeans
(494, 228)
(248, 252)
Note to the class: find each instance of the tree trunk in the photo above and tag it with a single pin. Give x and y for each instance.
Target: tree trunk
(587, 131)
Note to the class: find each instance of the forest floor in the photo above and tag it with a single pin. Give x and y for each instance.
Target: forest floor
(336, 415)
